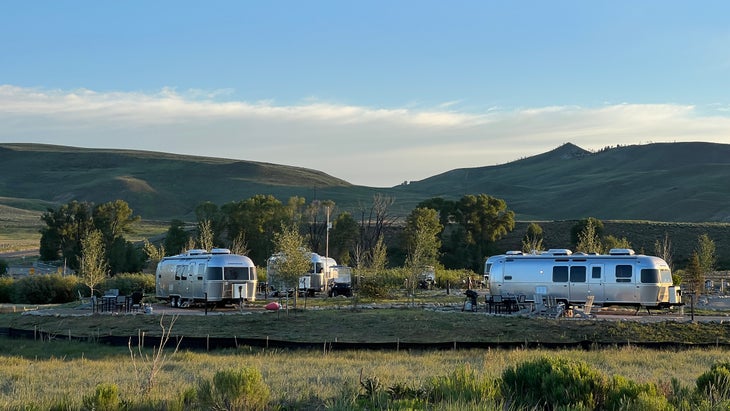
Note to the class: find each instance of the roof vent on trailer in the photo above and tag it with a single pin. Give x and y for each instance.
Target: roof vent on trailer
(621, 251)
(559, 251)
(513, 252)
(220, 251)
(197, 251)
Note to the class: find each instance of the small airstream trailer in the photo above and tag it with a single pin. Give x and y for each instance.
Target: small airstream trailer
(199, 276)
(619, 278)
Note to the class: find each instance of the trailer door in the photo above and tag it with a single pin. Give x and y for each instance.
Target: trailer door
(197, 281)
(578, 284)
(596, 283)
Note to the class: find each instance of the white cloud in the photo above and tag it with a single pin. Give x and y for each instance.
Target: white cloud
(376, 147)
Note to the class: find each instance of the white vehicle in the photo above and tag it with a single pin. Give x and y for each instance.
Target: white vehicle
(619, 278)
(321, 272)
(199, 276)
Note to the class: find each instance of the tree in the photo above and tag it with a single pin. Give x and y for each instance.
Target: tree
(208, 211)
(706, 256)
(319, 214)
(374, 221)
(471, 227)
(343, 237)
(693, 275)
(94, 267)
(588, 239)
(3, 268)
(258, 217)
(176, 237)
(378, 256)
(114, 219)
(291, 260)
(484, 220)
(663, 250)
(532, 242)
(155, 254)
(205, 235)
(422, 241)
(422, 230)
(580, 227)
(64, 230)
(610, 242)
(238, 245)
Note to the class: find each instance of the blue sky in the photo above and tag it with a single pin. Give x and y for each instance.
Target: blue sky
(374, 92)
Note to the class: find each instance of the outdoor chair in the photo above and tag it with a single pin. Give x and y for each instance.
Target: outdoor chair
(136, 303)
(585, 310)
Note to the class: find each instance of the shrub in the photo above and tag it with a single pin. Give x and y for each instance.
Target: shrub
(624, 394)
(242, 389)
(554, 383)
(45, 289)
(128, 283)
(6, 289)
(105, 398)
(715, 384)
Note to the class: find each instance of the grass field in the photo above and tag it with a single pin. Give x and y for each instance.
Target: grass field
(38, 373)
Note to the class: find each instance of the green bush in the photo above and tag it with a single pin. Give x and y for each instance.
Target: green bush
(105, 398)
(554, 383)
(624, 394)
(715, 384)
(242, 389)
(45, 289)
(6, 289)
(127, 283)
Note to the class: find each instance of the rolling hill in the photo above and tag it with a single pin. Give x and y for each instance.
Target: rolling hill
(674, 182)
(686, 182)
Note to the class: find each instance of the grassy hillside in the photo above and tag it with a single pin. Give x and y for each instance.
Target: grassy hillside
(678, 182)
(156, 185)
(658, 182)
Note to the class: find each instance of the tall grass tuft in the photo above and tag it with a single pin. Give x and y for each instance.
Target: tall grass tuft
(462, 385)
(240, 389)
(105, 398)
(714, 385)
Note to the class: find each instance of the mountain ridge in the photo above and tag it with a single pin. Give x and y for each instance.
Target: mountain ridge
(684, 182)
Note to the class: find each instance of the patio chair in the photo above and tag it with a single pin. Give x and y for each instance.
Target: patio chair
(585, 310)
(136, 301)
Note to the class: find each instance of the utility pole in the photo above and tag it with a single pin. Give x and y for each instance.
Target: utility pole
(327, 234)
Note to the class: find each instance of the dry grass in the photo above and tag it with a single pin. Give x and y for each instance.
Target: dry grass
(42, 372)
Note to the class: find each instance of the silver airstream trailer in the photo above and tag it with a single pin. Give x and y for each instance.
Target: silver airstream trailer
(619, 278)
(200, 276)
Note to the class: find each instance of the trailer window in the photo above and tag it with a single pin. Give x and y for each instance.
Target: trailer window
(238, 273)
(596, 272)
(577, 274)
(179, 271)
(214, 273)
(489, 268)
(649, 275)
(623, 273)
(666, 276)
(560, 274)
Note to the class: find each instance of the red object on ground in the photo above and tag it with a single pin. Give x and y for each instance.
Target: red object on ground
(272, 306)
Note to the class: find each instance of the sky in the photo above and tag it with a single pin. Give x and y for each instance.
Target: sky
(374, 92)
